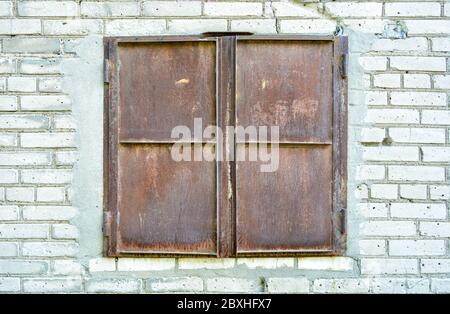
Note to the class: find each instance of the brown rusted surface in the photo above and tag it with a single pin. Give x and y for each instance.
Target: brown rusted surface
(154, 205)
(289, 209)
(164, 205)
(163, 85)
(286, 83)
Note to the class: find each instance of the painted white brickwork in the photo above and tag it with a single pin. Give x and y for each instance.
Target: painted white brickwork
(399, 149)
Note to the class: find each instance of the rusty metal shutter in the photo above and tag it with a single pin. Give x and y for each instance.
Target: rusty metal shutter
(154, 205)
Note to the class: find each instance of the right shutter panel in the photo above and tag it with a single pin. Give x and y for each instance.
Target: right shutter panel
(288, 83)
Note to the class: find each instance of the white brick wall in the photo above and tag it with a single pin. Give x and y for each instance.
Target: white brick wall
(399, 149)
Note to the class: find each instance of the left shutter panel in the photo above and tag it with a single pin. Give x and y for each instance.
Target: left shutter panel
(158, 205)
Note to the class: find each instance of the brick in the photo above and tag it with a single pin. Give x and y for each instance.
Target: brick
(433, 26)
(234, 285)
(8, 103)
(440, 285)
(21, 84)
(9, 212)
(286, 9)
(192, 26)
(25, 158)
(102, 264)
(47, 102)
(48, 139)
(407, 44)
(64, 122)
(439, 192)
(205, 263)
(349, 9)
(388, 228)
(417, 135)
(373, 210)
(23, 121)
(384, 191)
(386, 80)
(47, 8)
(253, 263)
(7, 65)
(361, 191)
(31, 45)
(375, 98)
(52, 176)
(6, 8)
(134, 27)
(66, 157)
(109, 9)
(416, 81)
(20, 194)
(436, 117)
(412, 9)
(326, 263)
(287, 285)
(372, 247)
(420, 211)
(50, 194)
(66, 267)
(389, 266)
(416, 191)
(20, 26)
(8, 284)
(418, 63)
(175, 284)
(435, 229)
(399, 285)
(307, 26)
(373, 63)
(345, 285)
(2, 194)
(370, 172)
(437, 154)
(440, 44)
(9, 176)
(65, 285)
(418, 99)
(50, 85)
(264, 26)
(8, 139)
(441, 81)
(170, 8)
(23, 231)
(435, 266)
(391, 153)
(145, 264)
(416, 173)
(113, 286)
(64, 231)
(371, 26)
(232, 9)
(416, 247)
(73, 27)
(40, 66)
(372, 135)
(58, 213)
(11, 267)
(49, 249)
(392, 116)
(8, 249)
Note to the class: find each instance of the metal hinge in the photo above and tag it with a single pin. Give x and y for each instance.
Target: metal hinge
(343, 68)
(107, 220)
(107, 71)
(343, 218)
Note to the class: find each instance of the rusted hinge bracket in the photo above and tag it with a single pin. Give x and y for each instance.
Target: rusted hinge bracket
(107, 220)
(343, 67)
(106, 71)
(342, 216)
